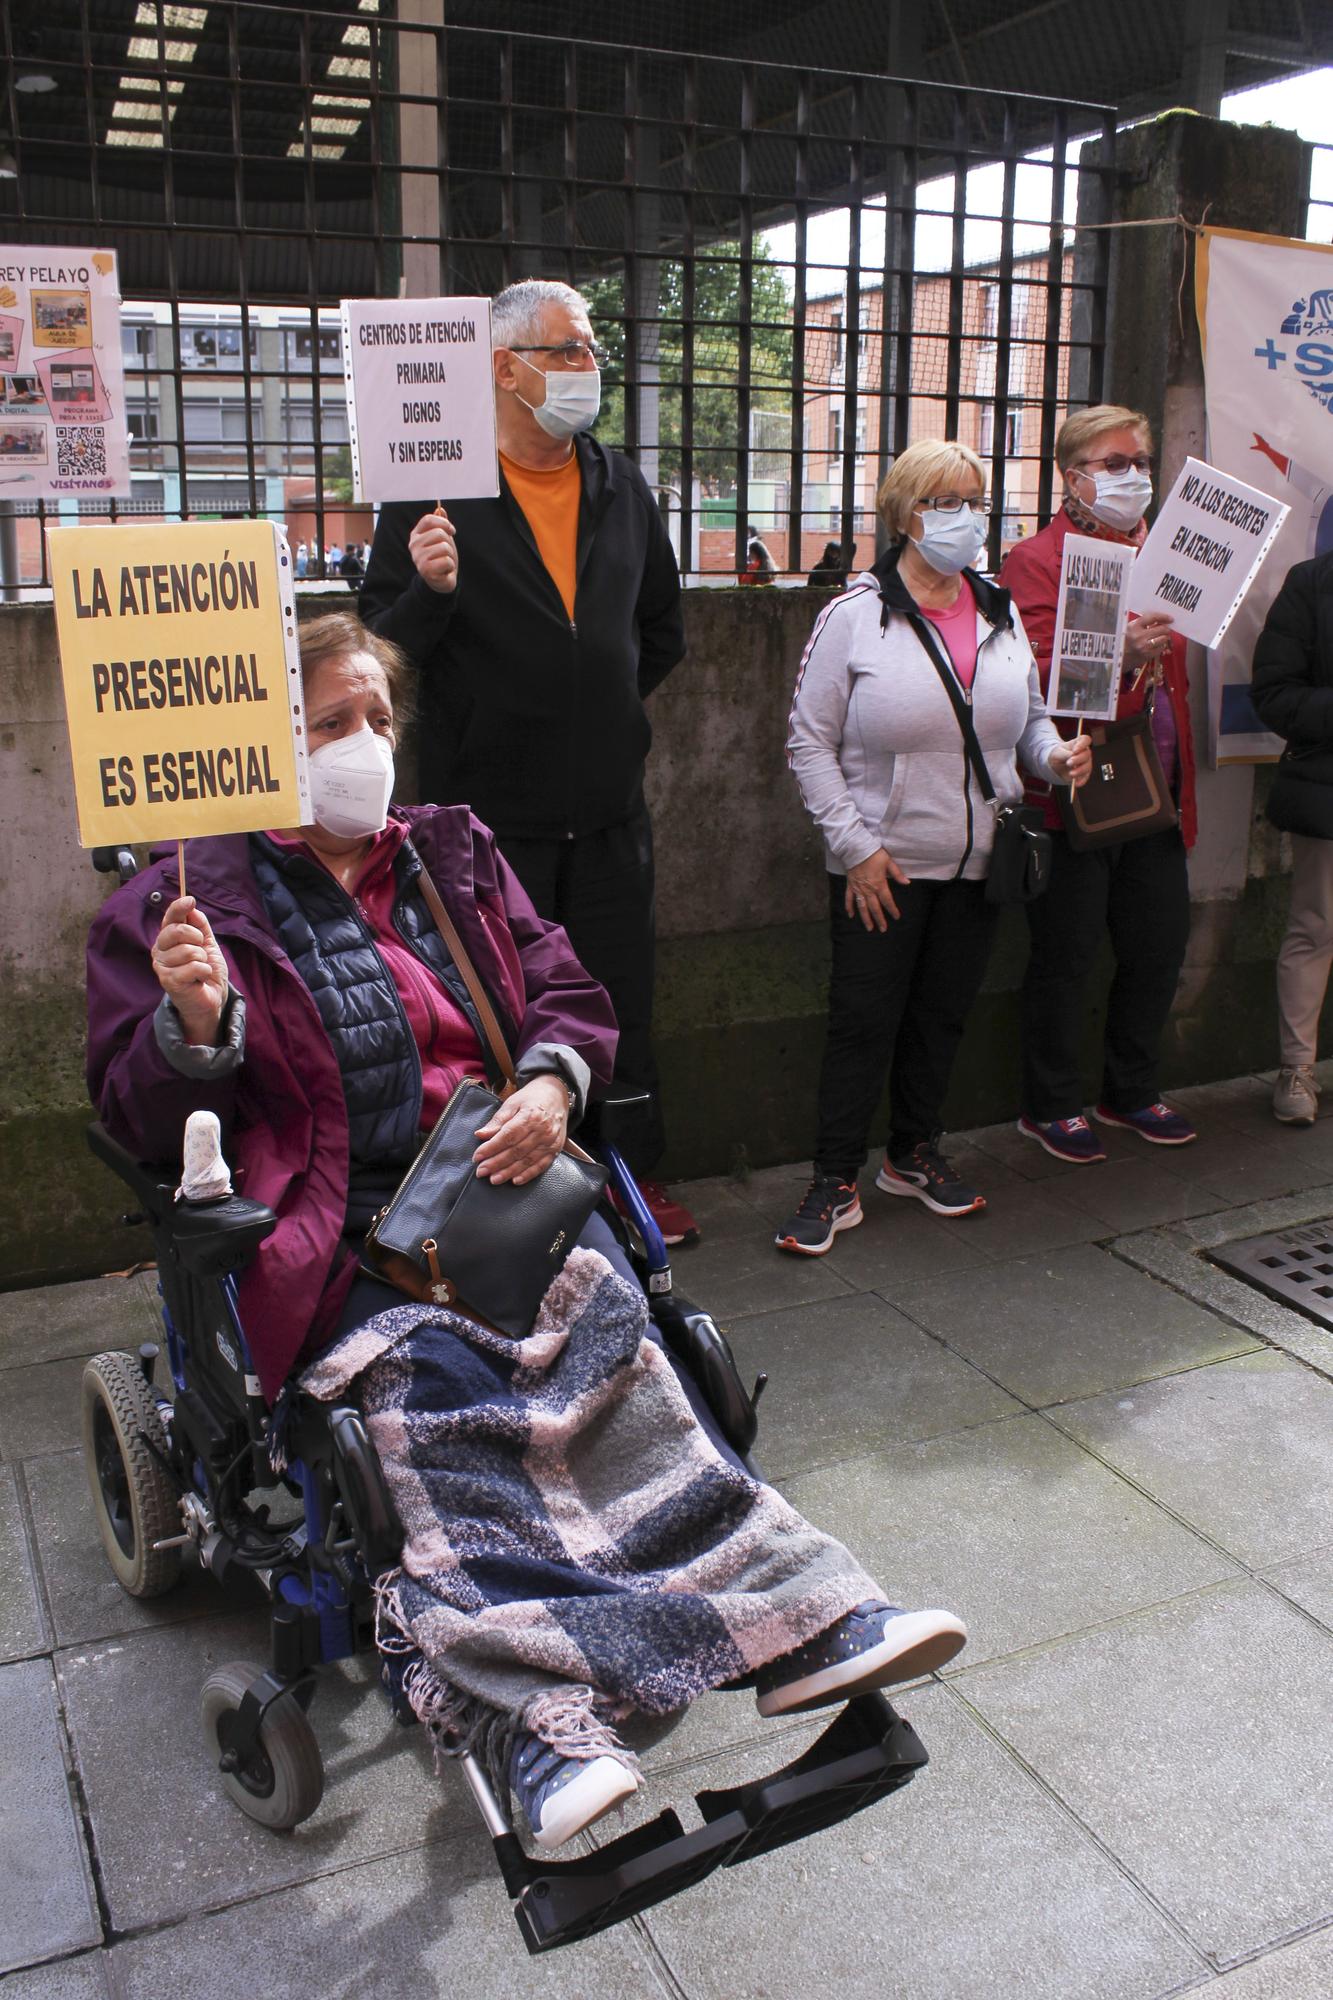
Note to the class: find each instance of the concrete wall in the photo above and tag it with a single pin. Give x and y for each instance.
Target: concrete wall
(742, 938)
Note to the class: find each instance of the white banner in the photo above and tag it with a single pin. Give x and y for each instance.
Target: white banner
(62, 390)
(1265, 306)
(1204, 550)
(1095, 582)
(421, 400)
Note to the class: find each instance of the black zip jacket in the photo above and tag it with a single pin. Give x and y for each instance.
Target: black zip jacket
(534, 721)
(1292, 691)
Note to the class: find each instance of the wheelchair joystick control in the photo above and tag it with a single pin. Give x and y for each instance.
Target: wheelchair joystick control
(206, 1175)
(148, 1353)
(760, 1384)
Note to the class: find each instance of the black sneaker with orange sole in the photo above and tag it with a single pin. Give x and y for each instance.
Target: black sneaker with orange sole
(927, 1176)
(829, 1204)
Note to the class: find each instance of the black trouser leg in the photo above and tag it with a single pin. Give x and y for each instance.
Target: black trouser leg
(1065, 928)
(599, 887)
(950, 966)
(876, 989)
(1148, 912)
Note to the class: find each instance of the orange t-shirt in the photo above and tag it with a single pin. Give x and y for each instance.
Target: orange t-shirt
(550, 502)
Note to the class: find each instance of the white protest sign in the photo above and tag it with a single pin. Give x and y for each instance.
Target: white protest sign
(421, 401)
(62, 392)
(1090, 627)
(1204, 550)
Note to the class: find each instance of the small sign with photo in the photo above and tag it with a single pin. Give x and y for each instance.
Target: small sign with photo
(1090, 628)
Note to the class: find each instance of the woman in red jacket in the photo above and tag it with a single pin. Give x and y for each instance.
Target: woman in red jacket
(1138, 890)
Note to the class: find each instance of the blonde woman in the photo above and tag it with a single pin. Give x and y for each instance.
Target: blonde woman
(878, 754)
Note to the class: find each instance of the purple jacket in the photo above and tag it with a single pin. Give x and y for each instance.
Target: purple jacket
(284, 1119)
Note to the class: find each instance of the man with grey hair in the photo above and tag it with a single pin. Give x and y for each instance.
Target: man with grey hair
(539, 622)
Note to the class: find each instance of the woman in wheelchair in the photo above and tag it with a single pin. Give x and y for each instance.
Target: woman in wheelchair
(584, 1553)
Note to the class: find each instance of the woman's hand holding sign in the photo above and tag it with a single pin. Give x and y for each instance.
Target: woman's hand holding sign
(432, 548)
(1072, 762)
(191, 970)
(1146, 640)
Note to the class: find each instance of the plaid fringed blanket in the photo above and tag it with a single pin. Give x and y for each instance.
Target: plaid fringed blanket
(577, 1550)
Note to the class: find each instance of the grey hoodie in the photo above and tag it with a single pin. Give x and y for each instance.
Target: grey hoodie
(875, 744)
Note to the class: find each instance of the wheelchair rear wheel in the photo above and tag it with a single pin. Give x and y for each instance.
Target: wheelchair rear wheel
(125, 1451)
(281, 1781)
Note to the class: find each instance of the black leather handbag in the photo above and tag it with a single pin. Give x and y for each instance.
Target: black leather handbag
(452, 1239)
(1020, 856)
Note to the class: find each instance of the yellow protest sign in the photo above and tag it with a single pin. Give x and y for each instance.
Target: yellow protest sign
(182, 679)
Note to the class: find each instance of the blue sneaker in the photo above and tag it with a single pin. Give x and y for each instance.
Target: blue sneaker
(560, 1796)
(1157, 1123)
(874, 1646)
(1071, 1139)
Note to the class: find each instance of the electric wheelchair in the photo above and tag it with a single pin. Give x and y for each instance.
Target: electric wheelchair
(191, 1469)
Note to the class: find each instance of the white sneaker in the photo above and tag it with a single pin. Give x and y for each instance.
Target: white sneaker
(1296, 1095)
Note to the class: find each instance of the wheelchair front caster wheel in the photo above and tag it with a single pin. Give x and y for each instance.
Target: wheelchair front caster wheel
(281, 1780)
(125, 1451)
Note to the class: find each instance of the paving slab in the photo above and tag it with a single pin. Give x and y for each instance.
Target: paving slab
(46, 1895)
(168, 1841)
(733, 1275)
(1021, 1218)
(39, 1410)
(1237, 1103)
(1021, 1155)
(1069, 1323)
(80, 1319)
(85, 1978)
(1299, 1971)
(1196, 1742)
(1136, 1193)
(968, 1884)
(1238, 1167)
(434, 1923)
(86, 1602)
(22, 1626)
(849, 1375)
(1241, 1451)
(1308, 1583)
(1012, 1526)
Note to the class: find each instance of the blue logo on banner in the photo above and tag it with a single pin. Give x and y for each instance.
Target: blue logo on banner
(1300, 346)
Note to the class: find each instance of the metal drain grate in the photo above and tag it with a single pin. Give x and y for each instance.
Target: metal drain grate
(1294, 1266)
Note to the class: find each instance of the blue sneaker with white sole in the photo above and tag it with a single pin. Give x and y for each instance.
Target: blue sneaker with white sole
(874, 1646)
(560, 1796)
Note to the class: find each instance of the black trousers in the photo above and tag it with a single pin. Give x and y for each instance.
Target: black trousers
(1140, 893)
(599, 887)
(901, 995)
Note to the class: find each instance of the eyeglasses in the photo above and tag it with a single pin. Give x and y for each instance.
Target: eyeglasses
(1117, 461)
(572, 353)
(953, 503)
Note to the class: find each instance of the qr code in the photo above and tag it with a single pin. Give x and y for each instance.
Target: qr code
(80, 452)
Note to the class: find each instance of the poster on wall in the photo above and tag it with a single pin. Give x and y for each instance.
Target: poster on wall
(182, 679)
(62, 393)
(420, 399)
(1090, 627)
(1265, 307)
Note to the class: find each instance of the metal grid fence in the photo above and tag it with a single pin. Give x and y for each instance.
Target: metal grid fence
(797, 270)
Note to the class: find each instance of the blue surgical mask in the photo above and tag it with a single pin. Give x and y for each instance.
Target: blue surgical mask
(950, 542)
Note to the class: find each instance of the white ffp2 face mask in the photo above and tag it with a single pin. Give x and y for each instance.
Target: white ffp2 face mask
(1121, 499)
(351, 782)
(573, 400)
(950, 542)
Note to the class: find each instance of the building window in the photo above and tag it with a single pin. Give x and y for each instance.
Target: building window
(215, 346)
(138, 344)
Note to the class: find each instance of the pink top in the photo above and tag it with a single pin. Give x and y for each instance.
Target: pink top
(445, 1038)
(957, 626)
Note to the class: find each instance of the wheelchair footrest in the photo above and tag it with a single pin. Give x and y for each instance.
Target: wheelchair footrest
(867, 1752)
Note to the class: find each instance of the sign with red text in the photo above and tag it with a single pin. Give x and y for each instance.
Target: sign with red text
(62, 390)
(182, 679)
(420, 398)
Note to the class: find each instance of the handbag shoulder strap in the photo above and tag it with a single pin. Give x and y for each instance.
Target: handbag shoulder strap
(477, 992)
(962, 711)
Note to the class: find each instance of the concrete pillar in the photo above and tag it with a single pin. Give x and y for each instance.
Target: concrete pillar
(419, 146)
(1246, 177)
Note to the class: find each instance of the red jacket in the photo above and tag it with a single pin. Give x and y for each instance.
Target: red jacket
(1031, 574)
